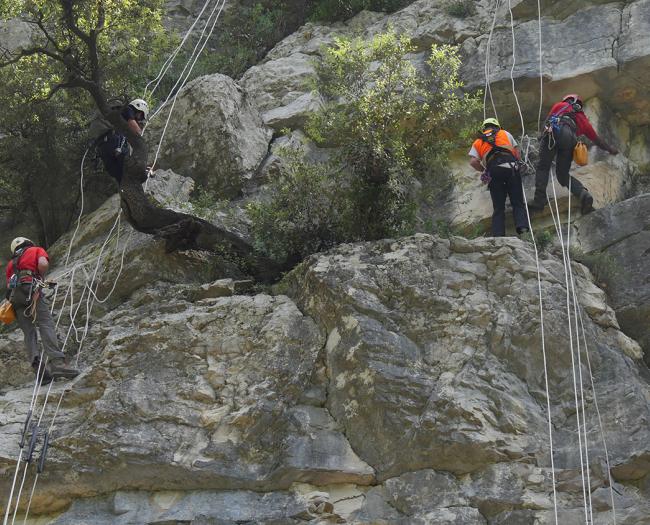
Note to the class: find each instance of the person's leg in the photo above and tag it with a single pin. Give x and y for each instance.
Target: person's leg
(566, 142)
(516, 194)
(498, 192)
(546, 154)
(47, 330)
(29, 331)
(113, 164)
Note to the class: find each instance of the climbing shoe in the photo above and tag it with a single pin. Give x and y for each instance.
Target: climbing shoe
(59, 368)
(586, 202)
(39, 370)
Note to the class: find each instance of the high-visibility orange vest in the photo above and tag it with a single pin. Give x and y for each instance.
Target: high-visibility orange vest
(501, 140)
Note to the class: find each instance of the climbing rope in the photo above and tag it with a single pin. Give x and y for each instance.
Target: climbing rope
(488, 54)
(167, 64)
(544, 358)
(572, 350)
(579, 316)
(525, 139)
(541, 67)
(90, 290)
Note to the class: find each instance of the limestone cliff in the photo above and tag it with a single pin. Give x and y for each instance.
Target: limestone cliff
(400, 381)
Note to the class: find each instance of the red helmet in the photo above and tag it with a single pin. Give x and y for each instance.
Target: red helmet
(573, 99)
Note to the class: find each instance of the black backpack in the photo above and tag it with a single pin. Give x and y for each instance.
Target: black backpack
(497, 153)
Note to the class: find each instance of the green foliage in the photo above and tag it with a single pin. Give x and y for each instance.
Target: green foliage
(601, 264)
(390, 125)
(332, 10)
(45, 129)
(461, 8)
(309, 210)
(446, 230)
(244, 36)
(390, 122)
(543, 239)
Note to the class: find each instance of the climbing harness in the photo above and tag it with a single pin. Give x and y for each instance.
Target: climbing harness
(88, 295)
(576, 312)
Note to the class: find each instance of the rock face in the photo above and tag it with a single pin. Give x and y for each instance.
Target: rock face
(622, 233)
(281, 89)
(398, 381)
(214, 136)
(403, 384)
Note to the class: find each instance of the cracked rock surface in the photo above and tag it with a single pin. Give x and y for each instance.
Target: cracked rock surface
(402, 382)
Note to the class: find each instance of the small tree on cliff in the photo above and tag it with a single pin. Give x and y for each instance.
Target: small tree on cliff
(86, 44)
(391, 124)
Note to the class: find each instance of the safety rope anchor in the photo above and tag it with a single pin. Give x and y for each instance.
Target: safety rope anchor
(40, 467)
(25, 427)
(33, 441)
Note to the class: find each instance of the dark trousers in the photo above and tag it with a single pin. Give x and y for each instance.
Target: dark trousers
(562, 151)
(112, 156)
(507, 183)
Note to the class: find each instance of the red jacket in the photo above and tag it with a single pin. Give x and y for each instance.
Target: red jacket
(583, 126)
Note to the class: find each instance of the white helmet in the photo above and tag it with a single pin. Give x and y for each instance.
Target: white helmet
(140, 105)
(18, 242)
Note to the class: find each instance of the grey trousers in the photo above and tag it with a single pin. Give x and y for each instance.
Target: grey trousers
(46, 329)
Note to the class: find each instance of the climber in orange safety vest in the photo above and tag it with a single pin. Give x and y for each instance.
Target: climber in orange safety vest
(495, 154)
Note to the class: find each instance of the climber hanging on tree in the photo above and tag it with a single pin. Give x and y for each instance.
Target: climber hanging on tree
(112, 146)
(25, 273)
(495, 154)
(565, 122)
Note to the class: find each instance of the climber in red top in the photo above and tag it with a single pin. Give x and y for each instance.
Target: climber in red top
(28, 265)
(565, 122)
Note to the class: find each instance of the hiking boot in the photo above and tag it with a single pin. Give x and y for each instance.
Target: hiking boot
(59, 368)
(586, 202)
(41, 370)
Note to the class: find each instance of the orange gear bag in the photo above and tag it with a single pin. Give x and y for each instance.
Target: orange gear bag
(581, 154)
(7, 313)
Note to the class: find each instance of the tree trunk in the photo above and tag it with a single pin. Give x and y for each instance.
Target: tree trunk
(179, 230)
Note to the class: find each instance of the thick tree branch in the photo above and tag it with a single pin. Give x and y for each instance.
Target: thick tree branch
(31, 51)
(39, 22)
(68, 17)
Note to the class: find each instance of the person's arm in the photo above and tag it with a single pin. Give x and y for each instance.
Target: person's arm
(585, 128)
(476, 164)
(134, 127)
(43, 266)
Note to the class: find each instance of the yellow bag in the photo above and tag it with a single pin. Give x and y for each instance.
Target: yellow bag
(7, 314)
(581, 154)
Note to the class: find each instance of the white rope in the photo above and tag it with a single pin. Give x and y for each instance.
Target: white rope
(600, 421)
(541, 320)
(541, 68)
(488, 52)
(81, 189)
(5, 521)
(201, 43)
(577, 335)
(512, 71)
(92, 296)
(165, 68)
(573, 364)
(591, 378)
